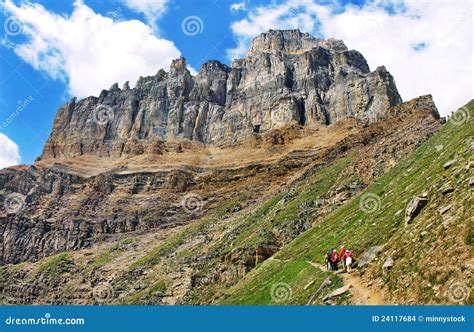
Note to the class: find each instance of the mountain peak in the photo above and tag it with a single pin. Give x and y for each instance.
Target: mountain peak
(292, 41)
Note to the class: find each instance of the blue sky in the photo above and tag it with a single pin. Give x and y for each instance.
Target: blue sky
(52, 50)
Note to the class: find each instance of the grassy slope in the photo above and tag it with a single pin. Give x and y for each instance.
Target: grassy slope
(248, 231)
(422, 172)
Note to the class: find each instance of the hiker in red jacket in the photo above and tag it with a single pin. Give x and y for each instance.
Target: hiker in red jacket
(334, 259)
(342, 256)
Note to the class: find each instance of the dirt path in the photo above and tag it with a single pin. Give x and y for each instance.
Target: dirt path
(361, 294)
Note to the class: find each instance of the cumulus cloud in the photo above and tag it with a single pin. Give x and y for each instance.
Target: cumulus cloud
(426, 45)
(152, 9)
(87, 50)
(9, 152)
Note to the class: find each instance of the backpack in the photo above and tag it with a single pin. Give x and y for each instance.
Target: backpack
(329, 255)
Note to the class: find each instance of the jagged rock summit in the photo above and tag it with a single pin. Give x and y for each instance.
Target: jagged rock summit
(287, 78)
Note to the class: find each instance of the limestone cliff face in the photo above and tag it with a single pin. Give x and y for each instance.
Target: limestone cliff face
(288, 77)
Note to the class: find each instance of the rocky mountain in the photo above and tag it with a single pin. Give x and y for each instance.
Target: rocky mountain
(287, 78)
(216, 187)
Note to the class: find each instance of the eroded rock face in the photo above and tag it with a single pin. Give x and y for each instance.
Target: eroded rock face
(288, 77)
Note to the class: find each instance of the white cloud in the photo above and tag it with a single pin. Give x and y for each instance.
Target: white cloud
(9, 152)
(152, 9)
(237, 6)
(443, 67)
(88, 50)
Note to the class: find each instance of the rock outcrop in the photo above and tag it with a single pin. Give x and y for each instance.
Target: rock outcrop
(288, 77)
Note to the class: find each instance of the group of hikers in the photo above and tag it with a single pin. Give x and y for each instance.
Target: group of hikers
(333, 257)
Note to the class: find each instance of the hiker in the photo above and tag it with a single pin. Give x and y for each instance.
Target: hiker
(328, 259)
(349, 260)
(342, 257)
(334, 259)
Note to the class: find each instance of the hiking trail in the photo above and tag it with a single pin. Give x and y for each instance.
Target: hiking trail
(361, 294)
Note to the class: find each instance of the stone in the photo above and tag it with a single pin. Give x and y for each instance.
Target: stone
(449, 163)
(471, 181)
(369, 256)
(337, 292)
(445, 209)
(388, 264)
(446, 189)
(414, 208)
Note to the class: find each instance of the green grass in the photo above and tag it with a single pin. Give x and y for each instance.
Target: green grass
(52, 269)
(150, 295)
(100, 260)
(106, 257)
(293, 275)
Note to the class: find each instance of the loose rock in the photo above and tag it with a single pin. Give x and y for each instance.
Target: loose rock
(414, 208)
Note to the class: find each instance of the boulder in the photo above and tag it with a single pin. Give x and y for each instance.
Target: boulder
(337, 292)
(414, 208)
(369, 255)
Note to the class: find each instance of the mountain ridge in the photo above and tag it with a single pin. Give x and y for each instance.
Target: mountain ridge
(287, 78)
